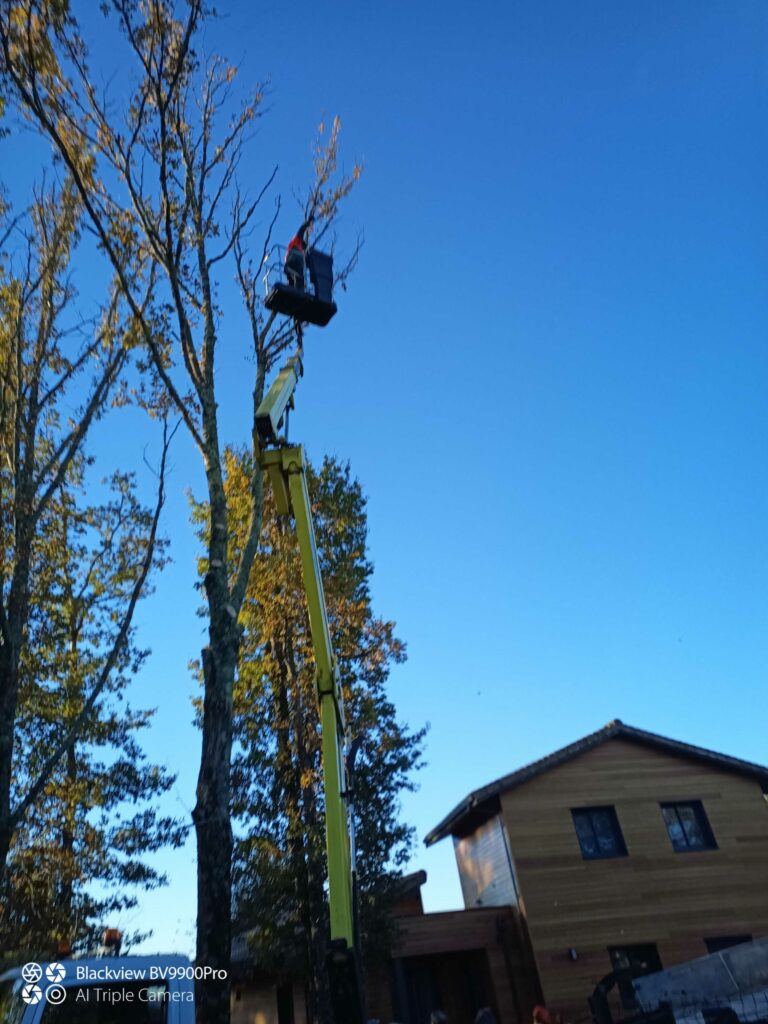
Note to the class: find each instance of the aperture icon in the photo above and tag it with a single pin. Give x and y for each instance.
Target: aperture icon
(55, 972)
(31, 994)
(31, 972)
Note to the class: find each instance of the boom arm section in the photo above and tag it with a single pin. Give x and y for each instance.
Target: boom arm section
(278, 400)
(286, 468)
(287, 472)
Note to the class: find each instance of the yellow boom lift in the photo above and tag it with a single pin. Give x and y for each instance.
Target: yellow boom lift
(285, 466)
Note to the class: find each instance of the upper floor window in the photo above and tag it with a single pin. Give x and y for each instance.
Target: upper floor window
(688, 826)
(599, 832)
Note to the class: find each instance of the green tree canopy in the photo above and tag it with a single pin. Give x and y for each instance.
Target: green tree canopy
(79, 854)
(59, 374)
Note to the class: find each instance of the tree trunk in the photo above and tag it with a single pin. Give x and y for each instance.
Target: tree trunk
(14, 616)
(67, 893)
(9, 689)
(212, 823)
(6, 835)
(289, 764)
(313, 869)
(212, 813)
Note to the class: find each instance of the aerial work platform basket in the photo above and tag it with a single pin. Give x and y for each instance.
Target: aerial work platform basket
(301, 287)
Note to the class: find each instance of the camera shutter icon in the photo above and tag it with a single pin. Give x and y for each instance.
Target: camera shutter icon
(55, 972)
(31, 994)
(31, 972)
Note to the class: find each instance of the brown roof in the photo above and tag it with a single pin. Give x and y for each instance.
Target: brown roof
(483, 802)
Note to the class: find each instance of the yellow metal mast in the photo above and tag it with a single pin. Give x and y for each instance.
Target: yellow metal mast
(286, 467)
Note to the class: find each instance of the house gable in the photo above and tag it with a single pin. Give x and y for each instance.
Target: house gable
(652, 894)
(482, 804)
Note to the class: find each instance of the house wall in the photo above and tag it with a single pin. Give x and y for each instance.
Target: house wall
(446, 946)
(253, 1003)
(652, 895)
(409, 905)
(256, 998)
(485, 867)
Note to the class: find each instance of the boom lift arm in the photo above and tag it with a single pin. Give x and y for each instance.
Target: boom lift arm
(286, 467)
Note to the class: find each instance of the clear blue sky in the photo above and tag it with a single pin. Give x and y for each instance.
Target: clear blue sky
(549, 373)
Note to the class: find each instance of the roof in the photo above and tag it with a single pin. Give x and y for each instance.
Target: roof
(404, 885)
(481, 803)
(244, 949)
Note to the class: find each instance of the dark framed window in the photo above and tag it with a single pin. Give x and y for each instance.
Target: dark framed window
(598, 832)
(720, 942)
(642, 958)
(688, 826)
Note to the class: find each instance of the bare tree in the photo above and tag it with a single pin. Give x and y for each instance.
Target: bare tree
(159, 184)
(48, 357)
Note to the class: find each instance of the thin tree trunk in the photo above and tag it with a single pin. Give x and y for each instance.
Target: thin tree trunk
(67, 893)
(213, 827)
(313, 867)
(9, 695)
(14, 615)
(286, 795)
(288, 766)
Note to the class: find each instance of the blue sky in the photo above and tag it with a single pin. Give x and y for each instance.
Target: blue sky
(549, 374)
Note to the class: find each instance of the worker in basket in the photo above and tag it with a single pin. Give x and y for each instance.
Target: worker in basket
(296, 257)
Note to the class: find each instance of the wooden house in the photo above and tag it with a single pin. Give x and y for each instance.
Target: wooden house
(457, 962)
(625, 848)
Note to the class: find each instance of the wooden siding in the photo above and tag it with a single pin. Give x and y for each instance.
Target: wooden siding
(485, 869)
(440, 938)
(651, 895)
(409, 905)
